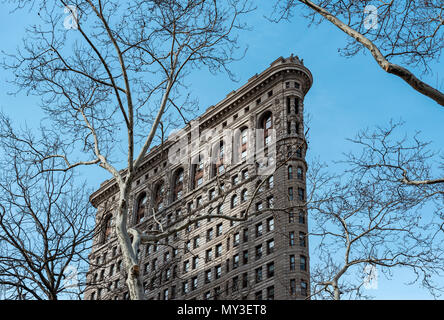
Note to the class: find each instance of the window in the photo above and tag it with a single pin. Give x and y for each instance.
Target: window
(270, 182)
(195, 262)
(291, 216)
(292, 263)
(165, 294)
(196, 242)
(233, 201)
(218, 250)
(218, 159)
(218, 271)
(290, 194)
(244, 195)
(299, 152)
(235, 261)
(300, 173)
(259, 206)
(158, 196)
(208, 255)
(219, 230)
(288, 127)
(245, 257)
(270, 93)
(304, 286)
(245, 280)
(291, 238)
(302, 239)
(292, 287)
(270, 293)
(212, 194)
(301, 217)
(207, 276)
(303, 263)
(270, 202)
(270, 224)
(107, 228)
(186, 266)
(235, 180)
(258, 229)
(288, 103)
(194, 283)
(290, 172)
(198, 201)
(258, 251)
(178, 184)
(209, 234)
(258, 274)
(270, 269)
(197, 171)
(236, 239)
(270, 246)
(141, 207)
(185, 287)
(301, 194)
(267, 125)
(245, 235)
(235, 286)
(245, 174)
(296, 104)
(217, 293)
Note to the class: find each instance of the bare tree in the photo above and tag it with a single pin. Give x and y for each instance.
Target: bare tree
(377, 215)
(45, 228)
(111, 72)
(409, 31)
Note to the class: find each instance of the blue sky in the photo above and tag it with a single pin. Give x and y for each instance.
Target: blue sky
(348, 94)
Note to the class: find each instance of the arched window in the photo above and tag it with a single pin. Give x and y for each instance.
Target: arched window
(266, 123)
(241, 145)
(178, 184)
(244, 195)
(233, 201)
(141, 207)
(107, 228)
(300, 173)
(218, 158)
(197, 171)
(290, 172)
(159, 196)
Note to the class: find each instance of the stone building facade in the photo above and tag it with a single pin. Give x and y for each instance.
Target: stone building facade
(265, 256)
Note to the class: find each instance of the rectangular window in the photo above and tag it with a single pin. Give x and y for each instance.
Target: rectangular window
(258, 274)
(244, 280)
(302, 237)
(258, 230)
(219, 230)
(292, 263)
(270, 269)
(270, 293)
(207, 278)
(258, 252)
(245, 257)
(218, 250)
(304, 287)
(290, 193)
(218, 271)
(245, 235)
(292, 287)
(303, 263)
(270, 224)
(301, 194)
(291, 238)
(270, 246)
